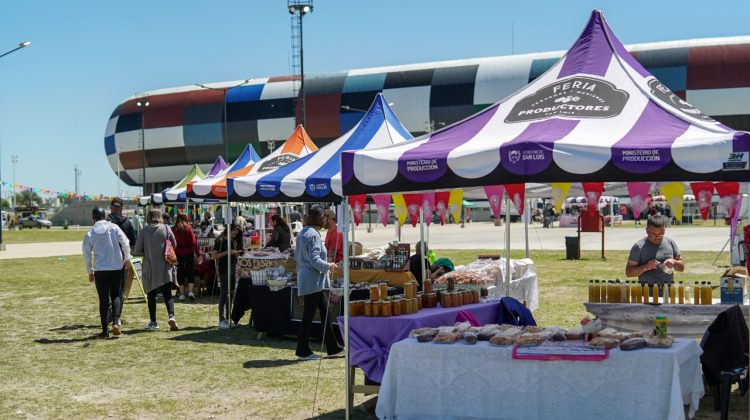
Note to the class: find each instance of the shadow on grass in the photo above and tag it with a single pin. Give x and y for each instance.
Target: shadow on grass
(74, 327)
(260, 364)
(65, 340)
(244, 336)
(365, 410)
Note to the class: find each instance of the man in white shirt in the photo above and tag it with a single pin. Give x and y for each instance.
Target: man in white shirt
(111, 254)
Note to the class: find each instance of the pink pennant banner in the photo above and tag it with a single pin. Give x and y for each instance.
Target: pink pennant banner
(441, 205)
(495, 197)
(638, 192)
(516, 193)
(413, 204)
(735, 219)
(383, 204)
(728, 196)
(703, 192)
(428, 204)
(592, 191)
(357, 203)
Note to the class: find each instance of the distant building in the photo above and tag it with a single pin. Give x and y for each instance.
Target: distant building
(185, 125)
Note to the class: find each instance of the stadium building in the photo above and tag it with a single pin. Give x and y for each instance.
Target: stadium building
(196, 124)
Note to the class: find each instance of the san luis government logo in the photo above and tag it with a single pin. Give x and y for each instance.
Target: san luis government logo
(578, 97)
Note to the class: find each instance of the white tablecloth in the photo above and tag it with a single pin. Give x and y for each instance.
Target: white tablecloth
(483, 381)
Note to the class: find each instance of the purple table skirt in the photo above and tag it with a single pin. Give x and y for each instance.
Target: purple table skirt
(370, 339)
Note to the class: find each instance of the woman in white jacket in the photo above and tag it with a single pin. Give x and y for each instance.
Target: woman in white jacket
(111, 252)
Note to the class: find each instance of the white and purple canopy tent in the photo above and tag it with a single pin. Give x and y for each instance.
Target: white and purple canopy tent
(597, 115)
(317, 176)
(178, 193)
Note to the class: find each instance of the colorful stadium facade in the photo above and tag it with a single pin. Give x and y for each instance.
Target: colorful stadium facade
(187, 125)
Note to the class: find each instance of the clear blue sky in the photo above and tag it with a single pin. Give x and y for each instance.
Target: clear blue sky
(87, 56)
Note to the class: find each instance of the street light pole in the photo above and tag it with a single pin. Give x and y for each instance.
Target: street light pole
(142, 104)
(299, 8)
(23, 44)
(14, 160)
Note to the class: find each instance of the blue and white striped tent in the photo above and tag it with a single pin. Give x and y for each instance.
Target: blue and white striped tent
(317, 177)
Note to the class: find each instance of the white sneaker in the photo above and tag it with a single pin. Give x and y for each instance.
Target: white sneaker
(151, 326)
(191, 296)
(173, 325)
(182, 298)
(311, 356)
(223, 325)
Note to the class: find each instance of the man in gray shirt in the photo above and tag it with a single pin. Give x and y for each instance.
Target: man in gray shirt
(654, 258)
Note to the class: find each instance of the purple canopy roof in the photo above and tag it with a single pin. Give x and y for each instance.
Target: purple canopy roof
(596, 115)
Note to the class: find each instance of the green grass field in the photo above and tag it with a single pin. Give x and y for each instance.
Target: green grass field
(53, 367)
(30, 236)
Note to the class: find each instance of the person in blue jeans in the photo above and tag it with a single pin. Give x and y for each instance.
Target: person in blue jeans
(312, 278)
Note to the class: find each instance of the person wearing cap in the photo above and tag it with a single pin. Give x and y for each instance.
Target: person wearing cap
(312, 278)
(122, 221)
(111, 254)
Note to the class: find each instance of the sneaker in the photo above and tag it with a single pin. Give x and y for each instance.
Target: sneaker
(182, 298)
(151, 326)
(116, 331)
(223, 325)
(192, 297)
(311, 356)
(173, 324)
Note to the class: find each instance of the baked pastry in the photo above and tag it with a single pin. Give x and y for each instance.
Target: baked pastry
(606, 332)
(603, 343)
(461, 327)
(470, 337)
(427, 336)
(642, 334)
(660, 342)
(574, 333)
(505, 338)
(531, 339)
(533, 329)
(634, 343)
(487, 332)
(419, 331)
(446, 338)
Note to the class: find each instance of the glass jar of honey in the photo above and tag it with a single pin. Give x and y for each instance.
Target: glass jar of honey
(374, 293)
(414, 305)
(376, 308)
(427, 286)
(475, 296)
(408, 290)
(418, 299)
(353, 308)
(383, 291)
(404, 306)
(367, 308)
(385, 309)
(396, 307)
(445, 299)
(432, 299)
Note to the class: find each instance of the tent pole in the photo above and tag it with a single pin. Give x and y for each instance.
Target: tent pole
(507, 244)
(612, 213)
(347, 368)
(347, 209)
(421, 243)
(228, 218)
(526, 216)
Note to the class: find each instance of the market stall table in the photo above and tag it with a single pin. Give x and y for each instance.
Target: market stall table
(483, 381)
(687, 321)
(371, 337)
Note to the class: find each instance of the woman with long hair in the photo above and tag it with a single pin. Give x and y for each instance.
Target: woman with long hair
(157, 275)
(281, 235)
(220, 253)
(187, 247)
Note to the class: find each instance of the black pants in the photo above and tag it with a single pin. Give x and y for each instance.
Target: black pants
(241, 300)
(311, 303)
(185, 269)
(224, 296)
(166, 293)
(108, 287)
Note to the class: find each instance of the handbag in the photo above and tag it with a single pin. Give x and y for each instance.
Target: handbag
(170, 256)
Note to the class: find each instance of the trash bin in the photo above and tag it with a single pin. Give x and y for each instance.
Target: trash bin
(572, 247)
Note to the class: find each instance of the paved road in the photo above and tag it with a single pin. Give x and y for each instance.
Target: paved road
(484, 235)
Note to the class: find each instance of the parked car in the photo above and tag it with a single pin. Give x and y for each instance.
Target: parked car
(34, 222)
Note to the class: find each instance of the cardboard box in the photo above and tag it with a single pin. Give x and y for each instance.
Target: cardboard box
(734, 285)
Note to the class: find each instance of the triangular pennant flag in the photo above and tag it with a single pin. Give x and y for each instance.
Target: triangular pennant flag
(638, 192)
(592, 191)
(495, 198)
(357, 203)
(455, 203)
(383, 204)
(735, 218)
(399, 207)
(441, 205)
(516, 193)
(728, 196)
(674, 193)
(559, 192)
(428, 206)
(413, 204)
(703, 192)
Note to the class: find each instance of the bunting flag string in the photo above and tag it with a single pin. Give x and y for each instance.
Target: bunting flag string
(46, 192)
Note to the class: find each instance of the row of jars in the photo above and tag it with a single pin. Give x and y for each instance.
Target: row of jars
(615, 291)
